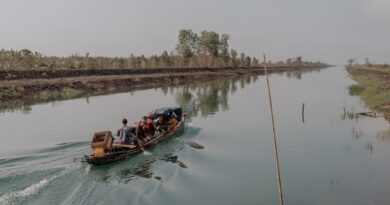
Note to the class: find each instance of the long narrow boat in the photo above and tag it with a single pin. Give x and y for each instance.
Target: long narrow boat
(116, 151)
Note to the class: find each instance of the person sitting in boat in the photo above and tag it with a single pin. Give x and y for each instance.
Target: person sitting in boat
(161, 124)
(124, 133)
(149, 127)
(139, 131)
(145, 127)
(172, 122)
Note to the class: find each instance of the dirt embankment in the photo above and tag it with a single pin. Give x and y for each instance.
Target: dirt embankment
(66, 73)
(383, 77)
(26, 84)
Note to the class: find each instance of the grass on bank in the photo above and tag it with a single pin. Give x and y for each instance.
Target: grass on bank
(371, 90)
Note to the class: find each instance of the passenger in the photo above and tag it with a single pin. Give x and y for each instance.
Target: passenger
(172, 122)
(149, 126)
(124, 133)
(140, 129)
(145, 127)
(161, 125)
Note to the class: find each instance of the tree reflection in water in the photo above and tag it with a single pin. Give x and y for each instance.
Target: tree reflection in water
(383, 135)
(208, 98)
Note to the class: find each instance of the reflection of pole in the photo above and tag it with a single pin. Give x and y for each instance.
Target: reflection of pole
(345, 114)
(274, 135)
(303, 112)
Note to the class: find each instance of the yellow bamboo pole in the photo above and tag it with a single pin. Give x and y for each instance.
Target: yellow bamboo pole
(274, 136)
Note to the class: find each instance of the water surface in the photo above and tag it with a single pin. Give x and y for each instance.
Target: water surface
(224, 155)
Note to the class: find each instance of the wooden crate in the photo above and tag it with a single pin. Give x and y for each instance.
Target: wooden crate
(102, 139)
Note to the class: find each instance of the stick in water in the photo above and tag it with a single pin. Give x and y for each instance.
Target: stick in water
(303, 112)
(274, 135)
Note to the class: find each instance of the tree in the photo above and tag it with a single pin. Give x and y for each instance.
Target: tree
(165, 58)
(299, 60)
(289, 61)
(255, 62)
(224, 47)
(26, 58)
(367, 62)
(131, 61)
(209, 44)
(247, 61)
(242, 60)
(234, 60)
(350, 62)
(187, 44)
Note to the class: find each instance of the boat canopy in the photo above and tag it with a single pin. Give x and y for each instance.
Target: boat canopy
(166, 111)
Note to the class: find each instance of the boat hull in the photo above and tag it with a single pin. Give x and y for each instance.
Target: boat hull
(120, 153)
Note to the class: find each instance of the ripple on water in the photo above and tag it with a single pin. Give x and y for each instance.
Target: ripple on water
(46, 171)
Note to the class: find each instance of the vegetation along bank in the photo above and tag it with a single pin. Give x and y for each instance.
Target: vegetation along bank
(29, 75)
(373, 85)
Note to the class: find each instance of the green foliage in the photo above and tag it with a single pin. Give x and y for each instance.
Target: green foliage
(225, 49)
(385, 66)
(209, 43)
(350, 62)
(207, 49)
(187, 44)
(242, 60)
(355, 89)
(234, 60)
(247, 61)
(371, 90)
(255, 62)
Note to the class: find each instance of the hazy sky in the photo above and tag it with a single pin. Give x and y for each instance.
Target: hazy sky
(326, 30)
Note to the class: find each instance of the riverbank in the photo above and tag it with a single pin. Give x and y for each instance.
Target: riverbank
(373, 87)
(70, 83)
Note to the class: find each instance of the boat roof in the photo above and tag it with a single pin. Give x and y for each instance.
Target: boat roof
(166, 111)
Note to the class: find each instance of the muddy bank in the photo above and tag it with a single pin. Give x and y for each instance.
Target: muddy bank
(66, 73)
(373, 85)
(93, 82)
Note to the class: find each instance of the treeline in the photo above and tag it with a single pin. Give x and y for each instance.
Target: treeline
(353, 62)
(208, 49)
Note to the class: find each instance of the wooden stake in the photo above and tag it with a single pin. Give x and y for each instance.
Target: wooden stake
(303, 112)
(274, 136)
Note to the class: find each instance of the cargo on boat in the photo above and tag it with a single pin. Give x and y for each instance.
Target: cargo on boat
(106, 149)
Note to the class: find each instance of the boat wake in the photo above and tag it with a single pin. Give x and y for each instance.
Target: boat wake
(19, 196)
(146, 152)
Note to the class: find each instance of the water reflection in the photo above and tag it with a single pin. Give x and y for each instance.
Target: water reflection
(208, 98)
(213, 93)
(297, 74)
(143, 170)
(15, 105)
(356, 133)
(369, 147)
(383, 135)
(350, 115)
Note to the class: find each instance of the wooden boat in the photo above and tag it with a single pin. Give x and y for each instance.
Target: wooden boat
(111, 151)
